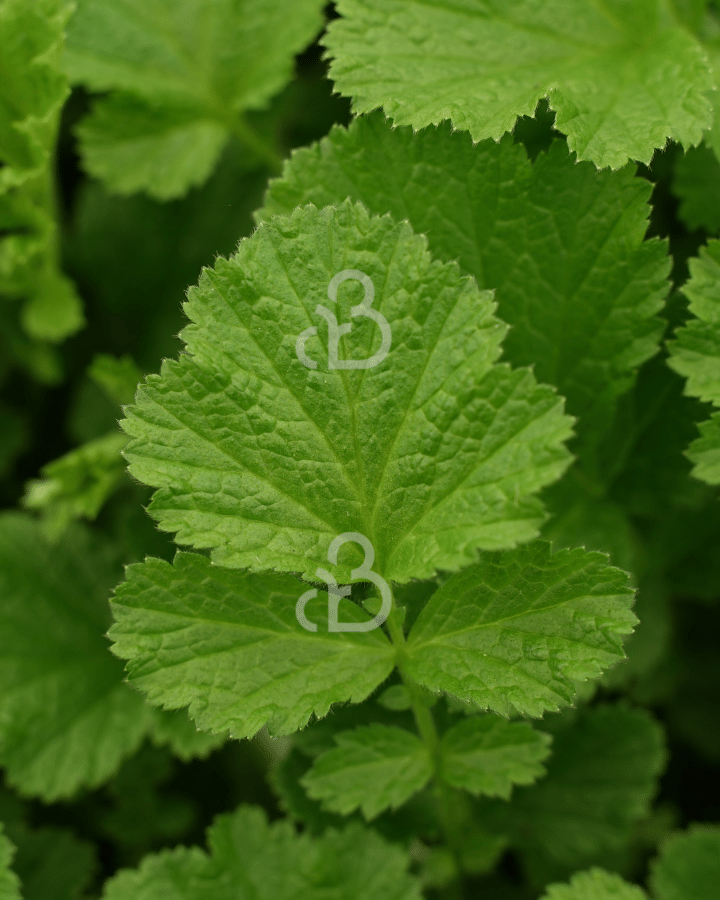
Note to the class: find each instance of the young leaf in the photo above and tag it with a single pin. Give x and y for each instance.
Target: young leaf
(601, 778)
(227, 644)
(688, 866)
(518, 630)
(372, 769)
(488, 755)
(185, 73)
(562, 244)
(66, 717)
(695, 353)
(33, 89)
(9, 883)
(78, 484)
(431, 454)
(622, 77)
(595, 884)
(265, 860)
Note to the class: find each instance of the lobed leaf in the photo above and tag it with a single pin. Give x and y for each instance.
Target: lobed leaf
(372, 768)
(431, 454)
(519, 630)
(622, 77)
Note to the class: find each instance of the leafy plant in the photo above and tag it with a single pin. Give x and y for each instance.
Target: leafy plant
(396, 575)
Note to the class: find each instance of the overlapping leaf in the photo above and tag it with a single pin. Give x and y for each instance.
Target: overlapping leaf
(431, 454)
(184, 74)
(66, 717)
(622, 77)
(32, 92)
(561, 244)
(227, 644)
(261, 860)
(519, 630)
(688, 866)
(695, 353)
(595, 884)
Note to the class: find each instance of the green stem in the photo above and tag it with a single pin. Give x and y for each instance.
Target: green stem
(253, 141)
(430, 737)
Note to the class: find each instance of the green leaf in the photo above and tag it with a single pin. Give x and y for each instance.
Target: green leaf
(249, 856)
(185, 73)
(53, 864)
(9, 884)
(78, 484)
(622, 77)
(695, 354)
(117, 376)
(227, 644)
(488, 755)
(696, 183)
(66, 717)
(33, 89)
(601, 778)
(174, 728)
(430, 455)
(372, 769)
(518, 631)
(688, 866)
(562, 244)
(595, 884)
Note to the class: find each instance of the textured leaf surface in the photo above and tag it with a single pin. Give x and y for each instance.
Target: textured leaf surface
(66, 717)
(595, 884)
(517, 631)
(601, 778)
(622, 77)
(431, 454)
(185, 71)
(688, 866)
(370, 769)
(695, 354)
(9, 884)
(249, 858)
(561, 243)
(227, 644)
(488, 755)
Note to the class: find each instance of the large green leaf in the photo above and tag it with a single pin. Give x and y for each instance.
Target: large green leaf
(688, 866)
(186, 71)
(66, 717)
(227, 644)
(623, 77)
(431, 454)
(562, 244)
(249, 858)
(371, 768)
(521, 628)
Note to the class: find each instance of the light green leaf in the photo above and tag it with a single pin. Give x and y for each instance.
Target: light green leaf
(78, 484)
(227, 644)
(562, 244)
(518, 630)
(186, 72)
(695, 354)
(261, 860)
(431, 454)
(372, 769)
(33, 89)
(174, 728)
(9, 884)
(595, 884)
(622, 77)
(66, 717)
(688, 866)
(488, 755)
(601, 778)
(132, 144)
